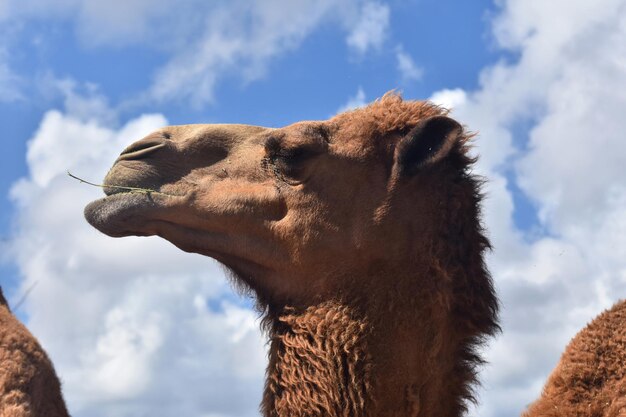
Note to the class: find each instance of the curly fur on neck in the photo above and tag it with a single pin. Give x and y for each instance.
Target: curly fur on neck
(319, 364)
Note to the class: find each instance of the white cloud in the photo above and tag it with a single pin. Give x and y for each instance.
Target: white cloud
(241, 39)
(449, 98)
(568, 84)
(354, 102)
(134, 326)
(370, 30)
(407, 67)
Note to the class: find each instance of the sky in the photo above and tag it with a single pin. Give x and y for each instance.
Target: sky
(137, 328)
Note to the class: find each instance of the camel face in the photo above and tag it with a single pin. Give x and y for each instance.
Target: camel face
(256, 199)
(292, 210)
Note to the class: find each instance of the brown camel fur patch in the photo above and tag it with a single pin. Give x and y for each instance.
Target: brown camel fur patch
(319, 364)
(590, 378)
(29, 386)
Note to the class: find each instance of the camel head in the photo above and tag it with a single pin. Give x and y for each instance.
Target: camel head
(374, 208)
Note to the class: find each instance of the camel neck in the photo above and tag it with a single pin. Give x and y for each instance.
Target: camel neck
(319, 365)
(331, 361)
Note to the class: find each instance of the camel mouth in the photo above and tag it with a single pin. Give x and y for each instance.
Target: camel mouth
(113, 189)
(134, 195)
(110, 190)
(128, 175)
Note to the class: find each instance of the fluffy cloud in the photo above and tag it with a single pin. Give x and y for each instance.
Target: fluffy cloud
(568, 85)
(450, 99)
(370, 29)
(134, 326)
(240, 38)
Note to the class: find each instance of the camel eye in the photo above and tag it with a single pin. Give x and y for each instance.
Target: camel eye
(291, 162)
(292, 156)
(288, 164)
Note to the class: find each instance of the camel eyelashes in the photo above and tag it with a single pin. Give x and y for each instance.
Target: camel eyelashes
(287, 164)
(277, 153)
(293, 156)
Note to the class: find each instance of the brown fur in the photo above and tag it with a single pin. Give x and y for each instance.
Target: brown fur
(319, 364)
(29, 386)
(590, 379)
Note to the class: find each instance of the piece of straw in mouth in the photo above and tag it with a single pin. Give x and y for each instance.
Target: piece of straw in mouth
(120, 187)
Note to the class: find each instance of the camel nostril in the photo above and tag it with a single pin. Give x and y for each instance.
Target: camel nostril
(141, 148)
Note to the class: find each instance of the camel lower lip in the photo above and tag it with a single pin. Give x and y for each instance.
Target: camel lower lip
(122, 214)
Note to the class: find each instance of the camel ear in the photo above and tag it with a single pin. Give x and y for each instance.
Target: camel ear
(428, 142)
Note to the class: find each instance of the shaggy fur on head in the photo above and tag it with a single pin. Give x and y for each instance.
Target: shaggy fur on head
(29, 386)
(388, 115)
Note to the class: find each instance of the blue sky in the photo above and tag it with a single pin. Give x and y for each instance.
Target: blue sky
(544, 83)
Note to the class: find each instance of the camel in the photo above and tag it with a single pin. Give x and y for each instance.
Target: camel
(28, 383)
(590, 378)
(359, 237)
(361, 241)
